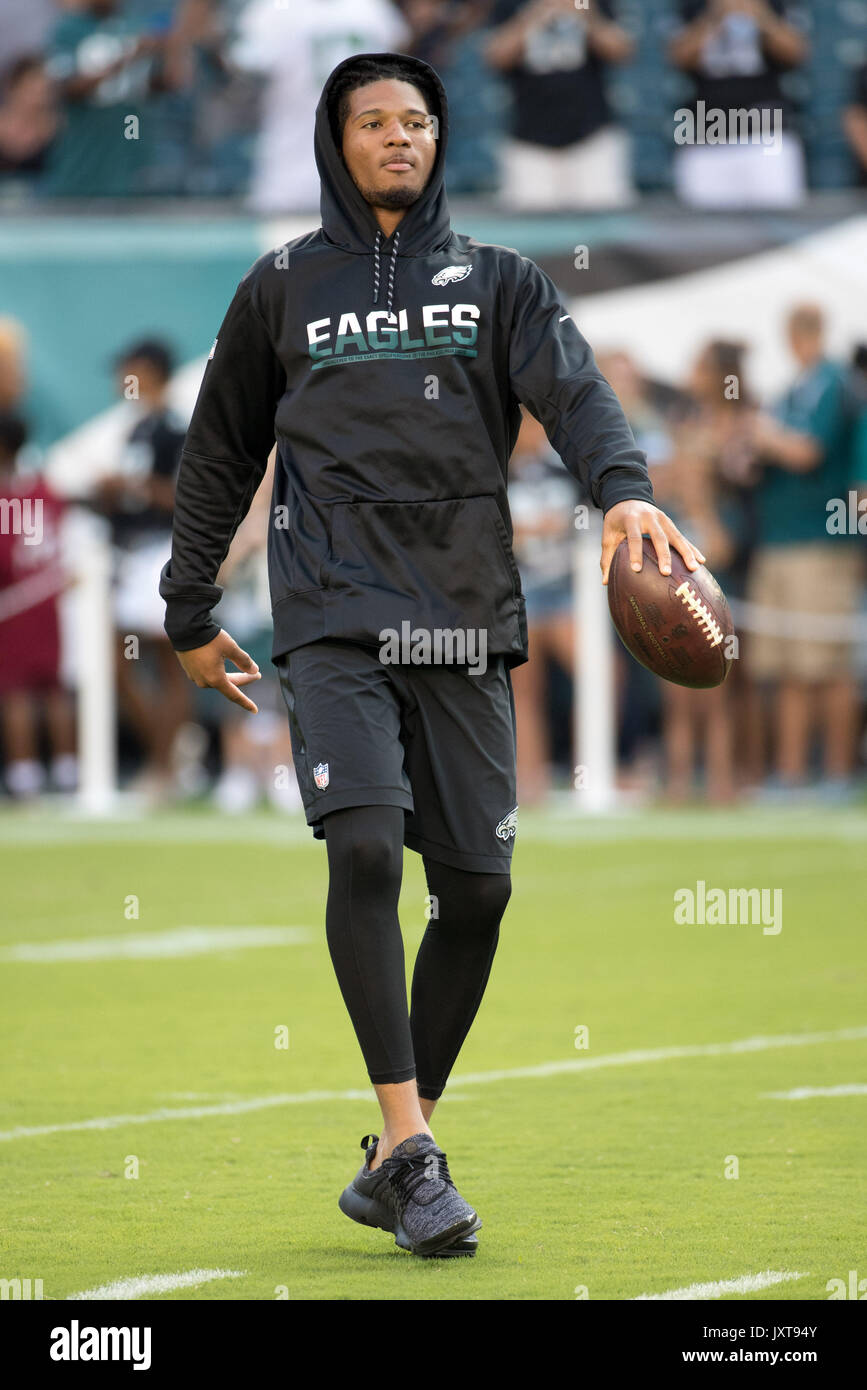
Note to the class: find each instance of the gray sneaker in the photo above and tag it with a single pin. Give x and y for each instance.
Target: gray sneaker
(428, 1205)
(369, 1199)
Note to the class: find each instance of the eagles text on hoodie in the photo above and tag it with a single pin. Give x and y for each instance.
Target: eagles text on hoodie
(390, 372)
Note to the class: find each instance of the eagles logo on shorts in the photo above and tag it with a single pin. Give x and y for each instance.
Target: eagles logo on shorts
(508, 825)
(320, 776)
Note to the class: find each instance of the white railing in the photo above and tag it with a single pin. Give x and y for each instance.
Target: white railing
(595, 696)
(93, 627)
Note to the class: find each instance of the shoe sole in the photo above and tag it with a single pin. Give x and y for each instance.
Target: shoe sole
(435, 1244)
(368, 1212)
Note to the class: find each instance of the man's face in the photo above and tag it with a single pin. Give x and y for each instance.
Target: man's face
(388, 143)
(805, 341)
(12, 381)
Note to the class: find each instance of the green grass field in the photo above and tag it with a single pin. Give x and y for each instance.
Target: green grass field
(597, 1169)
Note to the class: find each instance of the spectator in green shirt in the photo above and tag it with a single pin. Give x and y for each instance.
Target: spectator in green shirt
(107, 71)
(806, 580)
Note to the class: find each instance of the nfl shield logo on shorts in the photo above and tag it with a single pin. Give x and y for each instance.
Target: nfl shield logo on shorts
(320, 776)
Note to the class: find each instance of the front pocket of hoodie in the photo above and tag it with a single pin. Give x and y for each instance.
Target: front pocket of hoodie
(505, 545)
(447, 560)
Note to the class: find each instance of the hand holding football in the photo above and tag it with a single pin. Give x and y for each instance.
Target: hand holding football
(678, 624)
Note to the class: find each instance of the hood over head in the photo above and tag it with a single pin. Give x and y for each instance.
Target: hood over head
(347, 219)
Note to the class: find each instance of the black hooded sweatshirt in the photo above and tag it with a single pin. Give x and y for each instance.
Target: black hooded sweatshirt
(390, 372)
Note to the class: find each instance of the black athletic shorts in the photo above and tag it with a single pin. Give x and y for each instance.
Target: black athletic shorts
(433, 739)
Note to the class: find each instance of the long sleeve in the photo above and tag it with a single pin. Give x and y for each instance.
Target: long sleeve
(554, 373)
(225, 452)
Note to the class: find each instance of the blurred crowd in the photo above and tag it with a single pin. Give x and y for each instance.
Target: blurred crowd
(776, 498)
(554, 103)
(774, 493)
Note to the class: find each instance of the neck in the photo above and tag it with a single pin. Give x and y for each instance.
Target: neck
(388, 219)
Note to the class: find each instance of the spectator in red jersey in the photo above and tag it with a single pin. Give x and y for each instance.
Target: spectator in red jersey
(31, 580)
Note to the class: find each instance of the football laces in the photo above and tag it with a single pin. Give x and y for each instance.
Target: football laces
(700, 613)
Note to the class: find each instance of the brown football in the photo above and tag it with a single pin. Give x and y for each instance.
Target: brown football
(678, 624)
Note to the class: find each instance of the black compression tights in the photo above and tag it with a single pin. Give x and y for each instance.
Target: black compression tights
(365, 860)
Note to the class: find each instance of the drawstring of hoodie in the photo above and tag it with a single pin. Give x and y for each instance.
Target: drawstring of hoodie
(392, 266)
(376, 267)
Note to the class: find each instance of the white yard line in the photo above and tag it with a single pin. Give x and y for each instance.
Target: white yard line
(582, 1064)
(158, 945)
(746, 1283)
(155, 1283)
(187, 1112)
(665, 1054)
(855, 1088)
